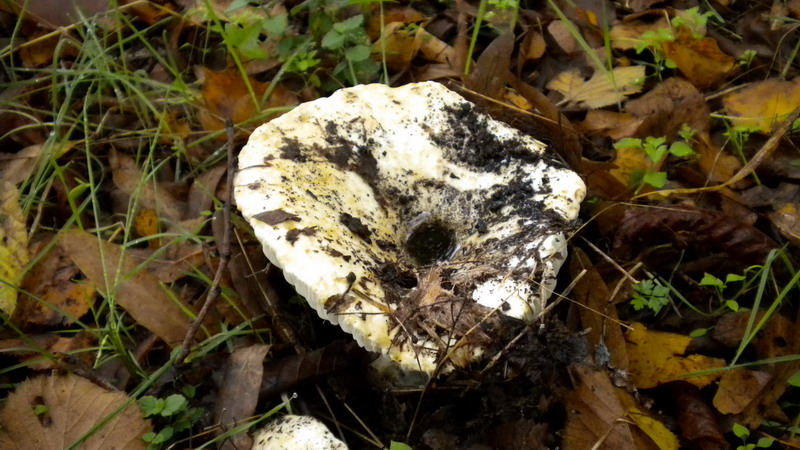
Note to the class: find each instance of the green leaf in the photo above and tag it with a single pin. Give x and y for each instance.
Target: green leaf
(276, 25)
(173, 404)
(150, 405)
(41, 410)
(733, 305)
(681, 149)
(700, 332)
(740, 431)
(711, 280)
(349, 24)
(399, 446)
(794, 380)
(236, 5)
(656, 179)
(731, 277)
(333, 40)
(628, 143)
(765, 442)
(357, 53)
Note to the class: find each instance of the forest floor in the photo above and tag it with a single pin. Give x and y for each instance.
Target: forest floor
(675, 318)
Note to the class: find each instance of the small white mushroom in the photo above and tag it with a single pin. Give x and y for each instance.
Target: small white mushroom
(296, 433)
(410, 219)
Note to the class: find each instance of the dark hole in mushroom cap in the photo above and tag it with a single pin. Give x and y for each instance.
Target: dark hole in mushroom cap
(430, 242)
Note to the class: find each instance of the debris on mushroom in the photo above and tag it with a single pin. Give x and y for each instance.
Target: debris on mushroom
(296, 433)
(413, 221)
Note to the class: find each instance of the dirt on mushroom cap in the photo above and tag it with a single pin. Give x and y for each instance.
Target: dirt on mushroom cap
(368, 166)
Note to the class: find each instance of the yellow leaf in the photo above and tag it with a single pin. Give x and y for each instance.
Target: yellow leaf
(601, 90)
(764, 104)
(655, 430)
(13, 247)
(656, 358)
(699, 60)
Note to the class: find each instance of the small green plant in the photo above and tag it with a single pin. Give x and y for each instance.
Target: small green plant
(747, 58)
(744, 434)
(656, 150)
(653, 40)
(651, 294)
(720, 286)
(349, 41)
(174, 410)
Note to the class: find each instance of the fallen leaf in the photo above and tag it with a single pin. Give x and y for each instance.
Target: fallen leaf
(59, 13)
(392, 14)
(602, 89)
(594, 413)
(131, 180)
(51, 296)
(787, 220)
(80, 347)
(563, 37)
(138, 292)
(657, 358)
(699, 426)
(238, 393)
(630, 161)
(716, 164)
(613, 124)
(18, 167)
(649, 432)
(13, 247)
(398, 46)
(689, 227)
(51, 412)
(737, 388)
(146, 224)
(667, 107)
(598, 315)
(699, 60)
(533, 47)
(763, 104)
(227, 95)
(625, 35)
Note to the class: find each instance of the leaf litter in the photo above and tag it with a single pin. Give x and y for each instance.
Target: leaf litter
(144, 175)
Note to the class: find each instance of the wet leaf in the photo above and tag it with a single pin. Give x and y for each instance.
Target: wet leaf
(601, 89)
(657, 358)
(68, 408)
(138, 292)
(699, 426)
(13, 246)
(764, 104)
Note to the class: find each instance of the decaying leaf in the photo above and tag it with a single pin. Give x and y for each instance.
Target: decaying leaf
(13, 246)
(764, 104)
(667, 107)
(131, 180)
(602, 89)
(613, 124)
(17, 167)
(238, 393)
(625, 35)
(699, 426)
(52, 412)
(657, 358)
(52, 296)
(718, 165)
(138, 292)
(737, 388)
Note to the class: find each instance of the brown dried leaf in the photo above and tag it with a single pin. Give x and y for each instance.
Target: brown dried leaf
(692, 227)
(238, 394)
(60, 13)
(698, 424)
(787, 220)
(717, 165)
(52, 297)
(667, 107)
(737, 388)
(601, 89)
(625, 35)
(594, 414)
(599, 315)
(18, 167)
(657, 358)
(764, 104)
(699, 60)
(562, 36)
(139, 292)
(226, 95)
(613, 124)
(73, 406)
(130, 179)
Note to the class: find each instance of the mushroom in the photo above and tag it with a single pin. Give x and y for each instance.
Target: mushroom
(416, 223)
(292, 432)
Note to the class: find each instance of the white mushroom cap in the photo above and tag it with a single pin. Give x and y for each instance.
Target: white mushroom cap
(409, 218)
(296, 433)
